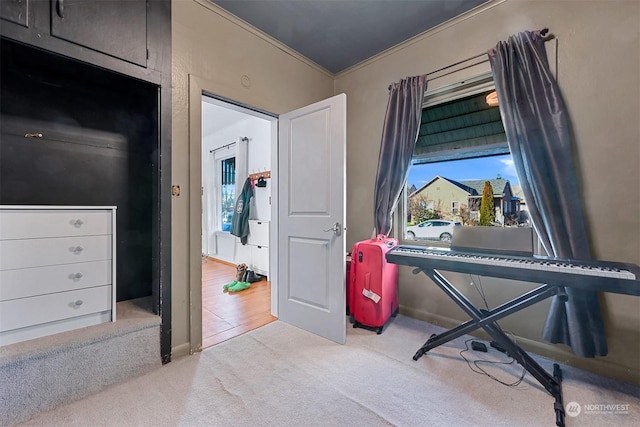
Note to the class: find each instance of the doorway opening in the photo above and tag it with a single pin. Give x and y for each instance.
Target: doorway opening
(236, 151)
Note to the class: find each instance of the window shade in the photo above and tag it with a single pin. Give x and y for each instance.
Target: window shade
(462, 127)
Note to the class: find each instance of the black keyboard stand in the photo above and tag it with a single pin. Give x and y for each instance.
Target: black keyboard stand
(486, 320)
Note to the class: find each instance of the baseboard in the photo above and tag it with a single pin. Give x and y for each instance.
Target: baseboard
(221, 261)
(556, 352)
(180, 351)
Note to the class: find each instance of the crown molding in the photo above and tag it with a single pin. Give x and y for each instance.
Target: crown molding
(286, 49)
(422, 36)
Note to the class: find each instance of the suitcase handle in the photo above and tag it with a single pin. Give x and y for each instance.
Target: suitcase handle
(382, 238)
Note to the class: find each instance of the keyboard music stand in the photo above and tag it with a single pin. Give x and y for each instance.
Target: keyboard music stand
(508, 254)
(486, 320)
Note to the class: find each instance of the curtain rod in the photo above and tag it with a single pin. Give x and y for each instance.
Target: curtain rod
(244, 138)
(543, 32)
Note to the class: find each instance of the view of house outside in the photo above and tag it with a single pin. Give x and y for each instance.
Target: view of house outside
(453, 191)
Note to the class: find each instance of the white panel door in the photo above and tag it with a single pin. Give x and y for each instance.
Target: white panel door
(311, 213)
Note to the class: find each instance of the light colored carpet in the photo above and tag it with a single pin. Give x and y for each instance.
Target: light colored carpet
(279, 375)
(43, 373)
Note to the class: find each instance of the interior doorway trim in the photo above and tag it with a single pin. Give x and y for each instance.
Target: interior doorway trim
(197, 88)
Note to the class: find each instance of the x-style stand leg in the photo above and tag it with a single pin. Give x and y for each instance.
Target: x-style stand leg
(486, 320)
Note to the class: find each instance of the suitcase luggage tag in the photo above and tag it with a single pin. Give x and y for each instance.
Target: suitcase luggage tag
(367, 293)
(371, 295)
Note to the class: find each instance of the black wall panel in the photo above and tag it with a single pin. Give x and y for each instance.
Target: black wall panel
(91, 140)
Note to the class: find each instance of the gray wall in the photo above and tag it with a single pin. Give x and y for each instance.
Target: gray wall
(213, 51)
(598, 72)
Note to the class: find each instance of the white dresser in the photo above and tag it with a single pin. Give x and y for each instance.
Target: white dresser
(256, 252)
(57, 269)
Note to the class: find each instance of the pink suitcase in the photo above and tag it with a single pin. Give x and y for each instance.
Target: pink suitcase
(348, 282)
(373, 297)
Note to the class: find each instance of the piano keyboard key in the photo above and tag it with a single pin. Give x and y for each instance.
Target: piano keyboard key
(557, 266)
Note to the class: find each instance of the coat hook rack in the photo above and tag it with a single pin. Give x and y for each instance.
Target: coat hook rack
(265, 175)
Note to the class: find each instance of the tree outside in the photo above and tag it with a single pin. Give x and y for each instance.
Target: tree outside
(487, 210)
(419, 210)
(465, 216)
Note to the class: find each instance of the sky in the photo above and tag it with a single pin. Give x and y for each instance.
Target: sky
(467, 169)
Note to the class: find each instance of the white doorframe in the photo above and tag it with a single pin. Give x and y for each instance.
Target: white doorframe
(197, 88)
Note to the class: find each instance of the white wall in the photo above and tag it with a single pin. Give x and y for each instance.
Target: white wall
(260, 161)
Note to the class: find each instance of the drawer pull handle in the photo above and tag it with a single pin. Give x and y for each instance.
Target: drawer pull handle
(60, 8)
(76, 276)
(77, 250)
(78, 303)
(77, 223)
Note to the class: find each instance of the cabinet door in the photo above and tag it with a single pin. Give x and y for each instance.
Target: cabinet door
(117, 28)
(258, 233)
(260, 259)
(16, 11)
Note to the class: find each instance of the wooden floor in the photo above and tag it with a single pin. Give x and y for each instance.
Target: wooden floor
(226, 315)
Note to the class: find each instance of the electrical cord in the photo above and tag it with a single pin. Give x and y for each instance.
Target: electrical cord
(477, 363)
(480, 290)
(479, 370)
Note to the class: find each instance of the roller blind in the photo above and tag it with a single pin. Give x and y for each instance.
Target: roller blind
(457, 123)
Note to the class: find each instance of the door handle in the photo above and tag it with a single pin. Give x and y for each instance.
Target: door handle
(337, 229)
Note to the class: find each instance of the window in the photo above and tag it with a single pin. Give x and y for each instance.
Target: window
(461, 154)
(227, 191)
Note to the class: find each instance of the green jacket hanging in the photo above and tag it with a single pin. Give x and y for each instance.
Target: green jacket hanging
(240, 219)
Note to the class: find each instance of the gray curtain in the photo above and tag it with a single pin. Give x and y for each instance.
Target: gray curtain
(537, 128)
(399, 134)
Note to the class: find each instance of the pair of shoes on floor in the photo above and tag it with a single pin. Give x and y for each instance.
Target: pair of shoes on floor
(244, 279)
(236, 286)
(241, 271)
(251, 277)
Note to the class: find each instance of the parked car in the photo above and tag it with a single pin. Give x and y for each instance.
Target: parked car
(433, 229)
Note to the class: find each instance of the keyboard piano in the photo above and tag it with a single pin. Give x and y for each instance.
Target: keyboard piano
(553, 275)
(604, 276)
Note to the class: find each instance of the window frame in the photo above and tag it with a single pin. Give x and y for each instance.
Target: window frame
(455, 210)
(451, 92)
(461, 89)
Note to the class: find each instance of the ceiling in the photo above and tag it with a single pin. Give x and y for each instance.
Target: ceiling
(337, 34)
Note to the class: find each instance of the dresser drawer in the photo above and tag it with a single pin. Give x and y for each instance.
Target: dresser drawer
(258, 233)
(24, 312)
(61, 250)
(28, 282)
(26, 223)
